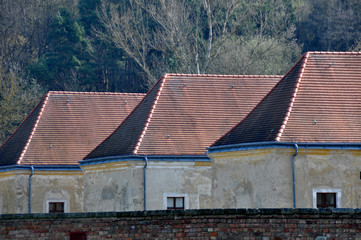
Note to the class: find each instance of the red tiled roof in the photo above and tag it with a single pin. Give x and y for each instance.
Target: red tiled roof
(184, 114)
(317, 101)
(65, 126)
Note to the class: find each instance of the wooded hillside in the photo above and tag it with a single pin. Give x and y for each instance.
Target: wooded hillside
(125, 46)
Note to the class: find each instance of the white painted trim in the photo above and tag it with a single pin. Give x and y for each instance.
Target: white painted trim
(327, 190)
(65, 201)
(184, 195)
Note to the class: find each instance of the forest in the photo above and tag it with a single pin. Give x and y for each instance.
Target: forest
(125, 46)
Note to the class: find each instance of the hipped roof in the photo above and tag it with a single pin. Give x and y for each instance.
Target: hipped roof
(65, 126)
(183, 114)
(317, 101)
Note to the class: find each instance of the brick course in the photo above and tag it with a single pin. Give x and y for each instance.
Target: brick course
(263, 224)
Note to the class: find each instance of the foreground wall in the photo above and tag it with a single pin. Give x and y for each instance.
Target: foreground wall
(265, 224)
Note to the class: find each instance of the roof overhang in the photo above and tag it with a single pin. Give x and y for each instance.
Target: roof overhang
(40, 168)
(164, 158)
(274, 144)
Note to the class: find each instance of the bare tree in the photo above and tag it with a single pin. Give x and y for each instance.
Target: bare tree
(172, 35)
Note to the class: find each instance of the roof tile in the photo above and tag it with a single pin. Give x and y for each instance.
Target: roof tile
(65, 126)
(317, 101)
(183, 114)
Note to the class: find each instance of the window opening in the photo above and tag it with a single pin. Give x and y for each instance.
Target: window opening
(56, 207)
(175, 202)
(326, 200)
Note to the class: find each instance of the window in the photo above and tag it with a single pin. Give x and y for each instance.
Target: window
(326, 200)
(175, 202)
(77, 236)
(56, 207)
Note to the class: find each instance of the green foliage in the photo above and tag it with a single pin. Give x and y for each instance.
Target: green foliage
(113, 70)
(88, 15)
(124, 46)
(330, 25)
(66, 63)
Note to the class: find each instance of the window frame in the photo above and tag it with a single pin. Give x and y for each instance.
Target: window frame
(175, 195)
(56, 207)
(175, 203)
(48, 201)
(337, 191)
(324, 197)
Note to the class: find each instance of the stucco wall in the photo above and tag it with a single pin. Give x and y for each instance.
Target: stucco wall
(113, 187)
(262, 178)
(119, 186)
(259, 178)
(13, 194)
(45, 186)
(329, 170)
(54, 187)
(252, 179)
(191, 180)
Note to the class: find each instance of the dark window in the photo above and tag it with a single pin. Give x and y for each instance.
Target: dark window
(56, 207)
(77, 236)
(326, 200)
(175, 202)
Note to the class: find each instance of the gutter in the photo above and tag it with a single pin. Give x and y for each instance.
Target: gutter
(145, 182)
(168, 158)
(32, 173)
(293, 175)
(41, 168)
(275, 144)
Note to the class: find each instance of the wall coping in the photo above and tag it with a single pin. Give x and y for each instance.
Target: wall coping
(285, 212)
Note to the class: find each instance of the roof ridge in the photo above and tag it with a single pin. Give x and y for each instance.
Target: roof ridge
(34, 128)
(94, 93)
(219, 75)
(150, 115)
(292, 100)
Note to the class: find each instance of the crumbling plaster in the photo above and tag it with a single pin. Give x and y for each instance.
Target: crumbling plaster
(262, 178)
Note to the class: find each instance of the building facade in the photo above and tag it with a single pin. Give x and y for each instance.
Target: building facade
(195, 142)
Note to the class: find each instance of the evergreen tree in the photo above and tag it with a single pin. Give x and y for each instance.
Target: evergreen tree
(67, 61)
(113, 69)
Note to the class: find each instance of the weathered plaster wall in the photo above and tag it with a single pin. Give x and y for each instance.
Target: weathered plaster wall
(263, 178)
(13, 192)
(244, 179)
(57, 186)
(252, 179)
(189, 179)
(329, 169)
(113, 187)
(119, 186)
(46, 185)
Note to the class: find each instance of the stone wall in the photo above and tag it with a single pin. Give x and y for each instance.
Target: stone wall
(264, 224)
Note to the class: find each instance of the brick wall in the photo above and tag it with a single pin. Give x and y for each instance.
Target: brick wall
(264, 224)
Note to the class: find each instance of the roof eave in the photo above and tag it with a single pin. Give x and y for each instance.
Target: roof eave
(40, 168)
(275, 144)
(165, 158)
